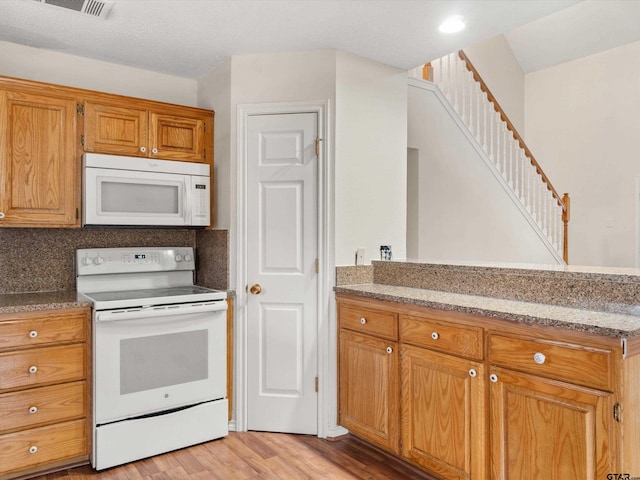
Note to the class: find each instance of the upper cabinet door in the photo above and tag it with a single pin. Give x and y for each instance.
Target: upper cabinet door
(38, 159)
(177, 137)
(116, 130)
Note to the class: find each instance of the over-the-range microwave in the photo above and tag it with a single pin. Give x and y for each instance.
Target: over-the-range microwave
(131, 191)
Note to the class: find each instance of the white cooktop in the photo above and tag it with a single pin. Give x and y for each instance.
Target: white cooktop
(113, 278)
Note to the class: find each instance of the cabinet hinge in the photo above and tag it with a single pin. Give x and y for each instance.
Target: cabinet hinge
(318, 140)
(82, 140)
(316, 384)
(77, 213)
(317, 265)
(617, 412)
(204, 153)
(80, 109)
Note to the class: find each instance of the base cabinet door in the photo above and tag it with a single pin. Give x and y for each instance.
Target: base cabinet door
(369, 388)
(544, 429)
(443, 413)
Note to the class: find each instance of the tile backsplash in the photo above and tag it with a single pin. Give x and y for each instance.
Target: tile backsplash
(42, 259)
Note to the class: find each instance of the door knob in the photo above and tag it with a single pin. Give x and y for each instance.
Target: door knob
(256, 289)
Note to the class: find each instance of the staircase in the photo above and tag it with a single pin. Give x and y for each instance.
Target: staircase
(469, 96)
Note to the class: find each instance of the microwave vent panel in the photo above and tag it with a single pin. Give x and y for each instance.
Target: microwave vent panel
(93, 8)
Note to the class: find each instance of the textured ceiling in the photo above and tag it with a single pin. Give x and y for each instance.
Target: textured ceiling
(189, 38)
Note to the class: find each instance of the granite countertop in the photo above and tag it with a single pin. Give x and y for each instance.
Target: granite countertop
(31, 302)
(613, 324)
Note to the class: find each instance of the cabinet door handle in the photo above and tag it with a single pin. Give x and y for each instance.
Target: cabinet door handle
(1, 215)
(143, 149)
(363, 320)
(33, 369)
(472, 372)
(435, 335)
(33, 334)
(539, 358)
(389, 350)
(33, 409)
(493, 377)
(154, 150)
(33, 449)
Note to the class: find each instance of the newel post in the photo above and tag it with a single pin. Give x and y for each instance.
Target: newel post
(566, 215)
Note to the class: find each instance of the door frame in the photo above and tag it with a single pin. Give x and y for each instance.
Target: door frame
(326, 381)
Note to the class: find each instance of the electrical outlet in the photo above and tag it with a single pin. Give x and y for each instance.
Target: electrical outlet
(360, 256)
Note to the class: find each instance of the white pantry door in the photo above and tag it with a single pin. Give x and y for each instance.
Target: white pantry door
(282, 247)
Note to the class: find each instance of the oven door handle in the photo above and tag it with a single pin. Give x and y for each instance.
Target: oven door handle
(165, 311)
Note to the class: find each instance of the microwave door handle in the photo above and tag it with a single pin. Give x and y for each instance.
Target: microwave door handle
(148, 312)
(188, 200)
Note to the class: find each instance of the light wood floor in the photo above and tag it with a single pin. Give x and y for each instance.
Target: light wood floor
(258, 455)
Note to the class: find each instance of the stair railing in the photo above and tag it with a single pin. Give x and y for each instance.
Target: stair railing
(465, 89)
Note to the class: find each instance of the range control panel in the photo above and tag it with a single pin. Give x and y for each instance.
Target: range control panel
(96, 261)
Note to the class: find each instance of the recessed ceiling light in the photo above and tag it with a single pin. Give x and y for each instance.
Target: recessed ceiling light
(452, 24)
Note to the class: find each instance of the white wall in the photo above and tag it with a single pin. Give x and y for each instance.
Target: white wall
(464, 213)
(581, 121)
(62, 69)
(497, 65)
(214, 93)
(367, 122)
(371, 158)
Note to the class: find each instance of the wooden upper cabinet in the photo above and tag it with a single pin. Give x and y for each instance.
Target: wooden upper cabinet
(116, 130)
(39, 164)
(162, 131)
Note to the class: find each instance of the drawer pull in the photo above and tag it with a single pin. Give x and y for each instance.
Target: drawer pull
(363, 320)
(435, 335)
(33, 449)
(493, 377)
(473, 373)
(389, 350)
(33, 334)
(539, 358)
(33, 409)
(33, 369)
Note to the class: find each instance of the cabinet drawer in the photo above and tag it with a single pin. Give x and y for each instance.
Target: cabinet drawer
(40, 446)
(423, 331)
(369, 320)
(40, 366)
(16, 332)
(577, 364)
(40, 406)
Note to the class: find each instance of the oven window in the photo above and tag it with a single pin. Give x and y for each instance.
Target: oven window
(163, 360)
(122, 197)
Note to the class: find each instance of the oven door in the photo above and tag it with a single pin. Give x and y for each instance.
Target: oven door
(155, 359)
(127, 197)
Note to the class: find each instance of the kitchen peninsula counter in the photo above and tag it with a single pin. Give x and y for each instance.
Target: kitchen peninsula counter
(36, 301)
(598, 322)
(601, 302)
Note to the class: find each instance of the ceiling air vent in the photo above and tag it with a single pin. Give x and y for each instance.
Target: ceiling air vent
(94, 8)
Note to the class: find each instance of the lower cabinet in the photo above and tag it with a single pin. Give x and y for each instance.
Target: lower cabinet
(482, 398)
(542, 428)
(443, 413)
(44, 391)
(369, 388)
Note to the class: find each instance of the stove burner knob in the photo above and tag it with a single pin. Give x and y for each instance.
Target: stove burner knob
(86, 261)
(98, 260)
(187, 258)
(178, 258)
